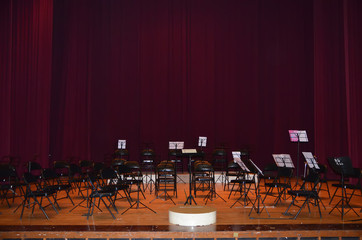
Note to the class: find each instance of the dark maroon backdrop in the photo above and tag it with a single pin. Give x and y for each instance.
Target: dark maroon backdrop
(78, 75)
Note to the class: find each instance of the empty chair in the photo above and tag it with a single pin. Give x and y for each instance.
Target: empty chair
(97, 193)
(219, 162)
(148, 167)
(282, 183)
(34, 168)
(203, 176)
(34, 195)
(52, 181)
(165, 180)
(233, 171)
(8, 183)
(111, 181)
(310, 195)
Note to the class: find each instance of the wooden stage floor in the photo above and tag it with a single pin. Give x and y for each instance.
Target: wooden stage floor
(231, 223)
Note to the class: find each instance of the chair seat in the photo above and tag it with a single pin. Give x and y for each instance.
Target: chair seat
(348, 186)
(241, 181)
(40, 193)
(58, 187)
(304, 193)
(278, 185)
(101, 193)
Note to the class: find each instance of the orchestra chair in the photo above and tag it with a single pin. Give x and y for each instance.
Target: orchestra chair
(148, 160)
(97, 193)
(34, 195)
(110, 180)
(166, 181)
(307, 194)
(219, 162)
(281, 183)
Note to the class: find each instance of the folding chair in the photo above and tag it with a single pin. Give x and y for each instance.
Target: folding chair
(310, 195)
(34, 192)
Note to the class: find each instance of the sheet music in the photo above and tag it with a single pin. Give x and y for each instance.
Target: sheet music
(298, 135)
(237, 159)
(312, 163)
(202, 141)
(283, 160)
(236, 154)
(121, 144)
(175, 145)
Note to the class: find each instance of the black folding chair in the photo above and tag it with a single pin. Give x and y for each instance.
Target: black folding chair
(34, 191)
(308, 191)
(53, 182)
(281, 183)
(100, 194)
(111, 181)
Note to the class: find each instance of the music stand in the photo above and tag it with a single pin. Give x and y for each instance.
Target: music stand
(189, 153)
(237, 159)
(176, 145)
(343, 166)
(202, 142)
(285, 169)
(298, 136)
(257, 192)
(122, 147)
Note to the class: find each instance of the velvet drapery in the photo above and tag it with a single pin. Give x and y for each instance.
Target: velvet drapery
(78, 75)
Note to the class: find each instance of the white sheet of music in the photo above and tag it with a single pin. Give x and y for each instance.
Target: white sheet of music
(237, 159)
(312, 163)
(283, 160)
(121, 144)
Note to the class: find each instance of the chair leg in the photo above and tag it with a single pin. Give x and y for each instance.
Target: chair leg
(108, 208)
(333, 195)
(290, 205)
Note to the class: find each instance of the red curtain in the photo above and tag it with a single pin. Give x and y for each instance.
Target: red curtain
(337, 79)
(26, 62)
(241, 72)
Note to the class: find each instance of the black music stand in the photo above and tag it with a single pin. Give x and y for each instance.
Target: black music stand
(137, 204)
(285, 170)
(242, 182)
(190, 153)
(342, 166)
(175, 146)
(258, 201)
(298, 136)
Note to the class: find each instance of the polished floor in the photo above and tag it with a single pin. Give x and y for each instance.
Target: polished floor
(232, 217)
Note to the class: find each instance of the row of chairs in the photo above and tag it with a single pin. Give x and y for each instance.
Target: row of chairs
(96, 179)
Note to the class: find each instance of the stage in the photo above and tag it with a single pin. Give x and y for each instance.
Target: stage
(142, 223)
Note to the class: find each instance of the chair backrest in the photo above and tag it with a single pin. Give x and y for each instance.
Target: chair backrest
(203, 166)
(61, 168)
(108, 173)
(284, 172)
(49, 174)
(74, 169)
(29, 178)
(313, 178)
(7, 173)
(33, 166)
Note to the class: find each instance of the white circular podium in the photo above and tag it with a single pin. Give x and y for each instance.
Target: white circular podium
(192, 215)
